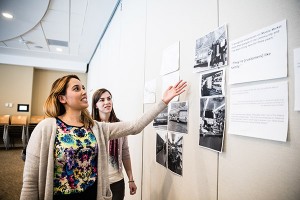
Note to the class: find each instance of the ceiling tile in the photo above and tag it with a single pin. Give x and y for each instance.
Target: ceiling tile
(74, 48)
(36, 36)
(16, 43)
(60, 5)
(56, 31)
(57, 16)
(79, 6)
(76, 25)
(2, 44)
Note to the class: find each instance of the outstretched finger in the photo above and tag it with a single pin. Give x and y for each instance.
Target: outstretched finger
(177, 83)
(179, 92)
(181, 85)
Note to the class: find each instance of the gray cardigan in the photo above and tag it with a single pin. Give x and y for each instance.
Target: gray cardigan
(123, 152)
(39, 165)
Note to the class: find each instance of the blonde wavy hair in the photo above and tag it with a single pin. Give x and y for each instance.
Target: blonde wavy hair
(54, 108)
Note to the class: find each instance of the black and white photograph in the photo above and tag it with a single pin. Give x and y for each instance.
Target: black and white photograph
(212, 83)
(161, 121)
(178, 117)
(161, 147)
(175, 146)
(212, 123)
(211, 50)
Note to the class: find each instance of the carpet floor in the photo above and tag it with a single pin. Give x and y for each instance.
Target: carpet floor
(11, 173)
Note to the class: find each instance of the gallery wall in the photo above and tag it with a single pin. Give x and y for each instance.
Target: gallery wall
(130, 55)
(167, 23)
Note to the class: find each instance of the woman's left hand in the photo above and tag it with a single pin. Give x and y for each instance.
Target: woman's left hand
(132, 188)
(173, 91)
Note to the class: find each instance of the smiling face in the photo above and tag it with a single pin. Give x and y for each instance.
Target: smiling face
(75, 97)
(105, 104)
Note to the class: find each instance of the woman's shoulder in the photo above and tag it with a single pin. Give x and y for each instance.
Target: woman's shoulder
(97, 124)
(43, 129)
(47, 122)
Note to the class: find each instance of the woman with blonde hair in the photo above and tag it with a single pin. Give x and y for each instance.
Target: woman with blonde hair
(67, 154)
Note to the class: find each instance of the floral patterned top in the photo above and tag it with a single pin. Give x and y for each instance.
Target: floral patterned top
(75, 159)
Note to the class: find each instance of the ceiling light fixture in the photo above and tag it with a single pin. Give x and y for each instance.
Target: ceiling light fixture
(25, 41)
(59, 49)
(7, 15)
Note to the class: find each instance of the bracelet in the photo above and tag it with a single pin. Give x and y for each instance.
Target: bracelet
(131, 181)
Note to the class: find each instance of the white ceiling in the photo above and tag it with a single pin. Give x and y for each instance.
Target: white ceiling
(38, 27)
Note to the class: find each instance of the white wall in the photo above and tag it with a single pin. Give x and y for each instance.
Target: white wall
(168, 22)
(130, 55)
(118, 65)
(255, 168)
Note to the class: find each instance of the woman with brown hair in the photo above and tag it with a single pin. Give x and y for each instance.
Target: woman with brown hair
(67, 154)
(103, 111)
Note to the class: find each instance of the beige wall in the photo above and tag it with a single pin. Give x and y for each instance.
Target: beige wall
(16, 88)
(42, 83)
(26, 85)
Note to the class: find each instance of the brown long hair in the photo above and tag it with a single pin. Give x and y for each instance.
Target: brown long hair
(54, 108)
(95, 114)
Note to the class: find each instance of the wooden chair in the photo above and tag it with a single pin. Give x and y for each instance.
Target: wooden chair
(4, 122)
(34, 120)
(17, 127)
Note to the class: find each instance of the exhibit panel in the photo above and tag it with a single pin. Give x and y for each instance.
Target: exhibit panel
(167, 23)
(254, 168)
(247, 164)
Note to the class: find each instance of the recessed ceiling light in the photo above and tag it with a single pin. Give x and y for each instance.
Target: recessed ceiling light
(59, 49)
(25, 41)
(7, 15)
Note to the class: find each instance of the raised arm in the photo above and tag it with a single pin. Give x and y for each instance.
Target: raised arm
(120, 129)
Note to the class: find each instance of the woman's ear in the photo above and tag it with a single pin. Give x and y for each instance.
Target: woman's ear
(62, 99)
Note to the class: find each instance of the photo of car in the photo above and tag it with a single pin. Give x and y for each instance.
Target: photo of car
(161, 119)
(178, 117)
(182, 116)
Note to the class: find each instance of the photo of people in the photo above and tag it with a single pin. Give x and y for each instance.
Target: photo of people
(178, 117)
(212, 122)
(175, 145)
(161, 147)
(211, 50)
(212, 83)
